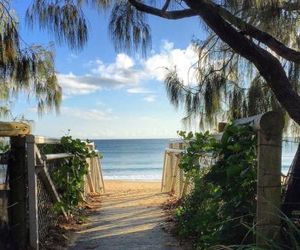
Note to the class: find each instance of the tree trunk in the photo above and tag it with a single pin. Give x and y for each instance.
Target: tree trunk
(268, 65)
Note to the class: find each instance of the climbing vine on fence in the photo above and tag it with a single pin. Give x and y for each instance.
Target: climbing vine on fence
(69, 176)
(221, 207)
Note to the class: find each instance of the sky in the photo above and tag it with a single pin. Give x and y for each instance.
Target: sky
(109, 94)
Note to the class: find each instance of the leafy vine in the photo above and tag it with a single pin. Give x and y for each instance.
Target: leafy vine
(69, 176)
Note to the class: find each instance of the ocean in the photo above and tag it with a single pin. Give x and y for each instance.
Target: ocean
(134, 159)
(142, 159)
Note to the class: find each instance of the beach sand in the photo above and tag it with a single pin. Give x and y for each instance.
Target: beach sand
(129, 216)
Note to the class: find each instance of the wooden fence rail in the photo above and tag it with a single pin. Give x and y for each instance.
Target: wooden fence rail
(37, 164)
(30, 193)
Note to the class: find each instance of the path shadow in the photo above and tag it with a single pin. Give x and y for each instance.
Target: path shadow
(151, 239)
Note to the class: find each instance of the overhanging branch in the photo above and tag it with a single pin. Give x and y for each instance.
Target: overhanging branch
(268, 65)
(278, 47)
(275, 45)
(176, 14)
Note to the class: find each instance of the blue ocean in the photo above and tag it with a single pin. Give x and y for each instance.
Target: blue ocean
(142, 159)
(134, 159)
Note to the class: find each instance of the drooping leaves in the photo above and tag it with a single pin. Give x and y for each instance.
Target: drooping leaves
(230, 85)
(65, 20)
(25, 67)
(128, 28)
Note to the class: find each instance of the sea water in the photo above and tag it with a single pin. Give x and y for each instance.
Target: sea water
(143, 159)
(134, 159)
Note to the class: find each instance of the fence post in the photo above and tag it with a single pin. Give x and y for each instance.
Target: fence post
(175, 172)
(32, 193)
(17, 195)
(269, 177)
(163, 180)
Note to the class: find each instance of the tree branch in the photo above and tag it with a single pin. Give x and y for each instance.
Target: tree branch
(177, 14)
(278, 47)
(166, 5)
(268, 65)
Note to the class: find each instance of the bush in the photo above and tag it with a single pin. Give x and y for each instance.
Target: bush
(221, 207)
(68, 178)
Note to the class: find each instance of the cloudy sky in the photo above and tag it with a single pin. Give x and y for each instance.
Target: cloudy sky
(109, 94)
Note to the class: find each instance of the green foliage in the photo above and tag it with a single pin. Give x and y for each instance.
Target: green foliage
(128, 28)
(4, 146)
(64, 19)
(24, 67)
(221, 207)
(69, 176)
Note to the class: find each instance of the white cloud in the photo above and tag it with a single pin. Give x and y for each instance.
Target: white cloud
(150, 98)
(126, 72)
(72, 85)
(168, 58)
(121, 72)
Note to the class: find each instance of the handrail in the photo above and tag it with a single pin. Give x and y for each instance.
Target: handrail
(50, 157)
(271, 121)
(172, 150)
(46, 140)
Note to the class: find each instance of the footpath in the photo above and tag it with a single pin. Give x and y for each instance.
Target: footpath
(129, 217)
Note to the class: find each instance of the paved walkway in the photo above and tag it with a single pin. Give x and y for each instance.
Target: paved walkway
(130, 217)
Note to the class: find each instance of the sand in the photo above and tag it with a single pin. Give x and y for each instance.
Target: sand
(129, 217)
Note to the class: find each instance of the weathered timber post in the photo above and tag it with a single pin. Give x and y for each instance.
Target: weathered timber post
(17, 172)
(17, 199)
(32, 195)
(269, 128)
(169, 172)
(269, 177)
(163, 179)
(175, 172)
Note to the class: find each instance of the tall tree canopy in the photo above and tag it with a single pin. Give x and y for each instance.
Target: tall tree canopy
(241, 34)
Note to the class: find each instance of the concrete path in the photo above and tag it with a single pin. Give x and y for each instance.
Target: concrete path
(130, 217)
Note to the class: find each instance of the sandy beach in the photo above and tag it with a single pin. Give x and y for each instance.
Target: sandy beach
(129, 216)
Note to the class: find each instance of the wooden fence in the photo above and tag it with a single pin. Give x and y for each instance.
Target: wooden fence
(268, 128)
(30, 190)
(173, 179)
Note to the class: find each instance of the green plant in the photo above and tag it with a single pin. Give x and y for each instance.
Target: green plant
(222, 203)
(69, 176)
(4, 146)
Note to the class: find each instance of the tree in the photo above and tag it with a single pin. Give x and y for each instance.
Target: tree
(241, 34)
(248, 64)
(240, 30)
(24, 67)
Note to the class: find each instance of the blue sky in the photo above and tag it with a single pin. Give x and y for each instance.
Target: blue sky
(109, 94)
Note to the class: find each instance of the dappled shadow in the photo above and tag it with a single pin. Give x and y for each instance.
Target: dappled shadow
(153, 238)
(128, 219)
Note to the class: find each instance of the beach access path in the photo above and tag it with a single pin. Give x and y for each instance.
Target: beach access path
(129, 217)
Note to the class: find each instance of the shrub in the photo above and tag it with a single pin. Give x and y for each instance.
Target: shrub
(221, 207)
(68, 177)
